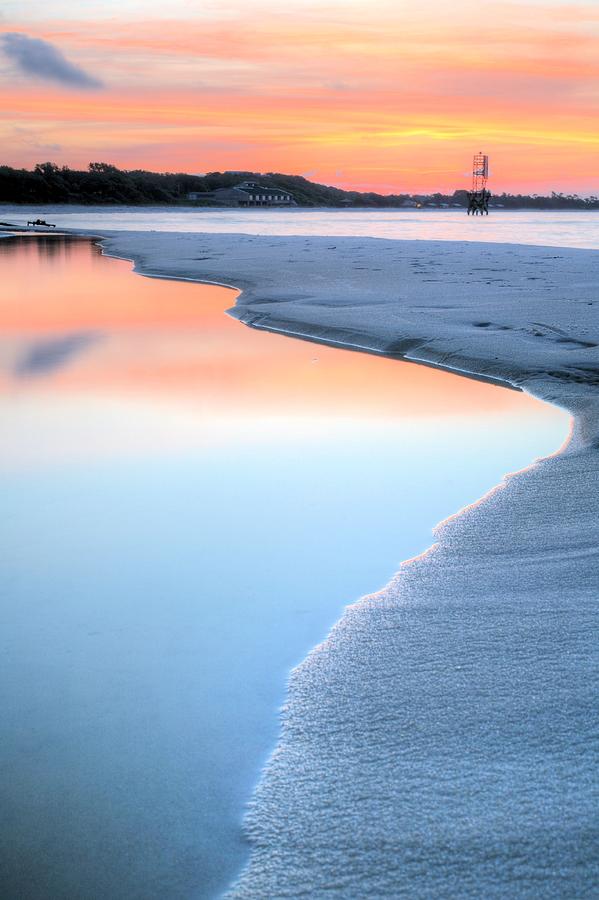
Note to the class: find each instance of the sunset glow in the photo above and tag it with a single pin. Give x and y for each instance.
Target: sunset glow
(172, 340)
(386, 97)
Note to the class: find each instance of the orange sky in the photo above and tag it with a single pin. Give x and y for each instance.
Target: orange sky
(375, 96)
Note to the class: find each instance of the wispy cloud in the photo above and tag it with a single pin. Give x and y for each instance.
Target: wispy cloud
(42, 59)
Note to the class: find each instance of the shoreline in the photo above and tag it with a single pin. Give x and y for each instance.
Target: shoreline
(343, 345)
(505, 339)
(281, 329)
(298, 335)
(519, 315)
(447, 719)
(369, 778)
(305, 335)
(511, 580)
(497, 210)
(370, 708)
(524, 319)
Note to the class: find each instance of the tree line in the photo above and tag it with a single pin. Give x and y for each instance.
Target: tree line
(102, 183)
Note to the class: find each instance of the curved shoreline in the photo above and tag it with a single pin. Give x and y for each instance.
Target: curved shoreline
(537, 518)
(440, 742)
(506, 322)
(388, 752)
(511, 314)
(533, 327)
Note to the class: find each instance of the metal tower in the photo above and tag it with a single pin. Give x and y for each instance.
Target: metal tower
(478, 198)
(480, 172)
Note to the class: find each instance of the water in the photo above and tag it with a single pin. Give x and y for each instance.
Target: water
(564, 229)
(188, 505)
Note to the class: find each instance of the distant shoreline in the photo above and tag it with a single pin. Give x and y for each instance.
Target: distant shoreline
(105, 184)
(196, 207)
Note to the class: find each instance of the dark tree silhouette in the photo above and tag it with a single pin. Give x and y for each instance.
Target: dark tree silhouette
(103, 183)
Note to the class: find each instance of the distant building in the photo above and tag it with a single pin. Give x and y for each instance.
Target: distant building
(248, 193)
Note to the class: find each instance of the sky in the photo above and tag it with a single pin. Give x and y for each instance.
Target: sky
(385, 96)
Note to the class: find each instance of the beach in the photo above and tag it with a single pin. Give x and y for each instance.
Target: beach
(439, 740)
(520, 314)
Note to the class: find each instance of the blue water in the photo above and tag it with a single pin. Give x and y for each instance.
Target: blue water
(168, 556)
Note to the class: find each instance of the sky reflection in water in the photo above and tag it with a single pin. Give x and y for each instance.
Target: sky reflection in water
(188, 505)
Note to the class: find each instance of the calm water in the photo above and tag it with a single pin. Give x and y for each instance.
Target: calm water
(565, 229)
(187, 507)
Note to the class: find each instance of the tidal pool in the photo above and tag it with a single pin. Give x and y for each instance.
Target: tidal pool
(188, 505)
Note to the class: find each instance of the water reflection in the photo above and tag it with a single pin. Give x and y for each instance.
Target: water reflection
(49, 354)
(170, 339)
(48, 247)
(187, 506)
